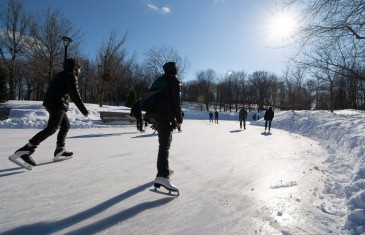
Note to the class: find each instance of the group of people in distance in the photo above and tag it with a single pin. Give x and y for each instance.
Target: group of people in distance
(64, 86)
(268, 117)
(216, 117)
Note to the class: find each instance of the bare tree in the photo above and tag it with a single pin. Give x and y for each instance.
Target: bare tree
(46, 48)
(294, 83)
(205, 84)
(333, 22)
(239, 88)
(112, 63)
(259, 83)
(156, 57)
(14, 20)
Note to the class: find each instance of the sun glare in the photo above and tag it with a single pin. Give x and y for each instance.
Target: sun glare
(283, 26)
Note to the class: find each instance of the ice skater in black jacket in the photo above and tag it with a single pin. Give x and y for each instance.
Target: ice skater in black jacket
(269, 115)
(137, 113)
(166, 116)
(56, 101)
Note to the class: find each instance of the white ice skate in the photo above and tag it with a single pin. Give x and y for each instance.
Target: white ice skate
(165, 182)
(22, 157)
(18, 158)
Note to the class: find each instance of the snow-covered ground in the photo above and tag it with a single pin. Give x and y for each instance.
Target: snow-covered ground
(306, 177)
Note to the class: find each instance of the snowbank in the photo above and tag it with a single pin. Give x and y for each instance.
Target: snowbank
(342, 135)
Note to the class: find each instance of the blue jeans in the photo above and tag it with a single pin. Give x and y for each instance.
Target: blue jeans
(267, 121)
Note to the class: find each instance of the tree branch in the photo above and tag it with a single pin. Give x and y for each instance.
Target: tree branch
(356, 35)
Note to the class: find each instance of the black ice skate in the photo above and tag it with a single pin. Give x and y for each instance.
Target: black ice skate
(60, 154)
(24, 154)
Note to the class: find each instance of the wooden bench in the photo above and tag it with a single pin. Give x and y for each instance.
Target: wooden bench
(4, 113)
(116, 117)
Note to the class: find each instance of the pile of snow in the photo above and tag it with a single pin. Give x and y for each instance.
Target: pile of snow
(340, 134)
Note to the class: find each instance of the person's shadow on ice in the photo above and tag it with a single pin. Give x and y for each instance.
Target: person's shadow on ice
(52, 227)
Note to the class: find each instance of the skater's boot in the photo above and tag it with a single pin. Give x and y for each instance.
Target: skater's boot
(24, 153)
(60, 154)
(165, 182)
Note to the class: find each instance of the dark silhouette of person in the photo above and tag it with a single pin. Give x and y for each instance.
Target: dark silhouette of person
(179, 128)
(216, 115)
(136, 112)
(242, 117)
(268, 117)
(166, 116)
(62, 87)
(210, 117)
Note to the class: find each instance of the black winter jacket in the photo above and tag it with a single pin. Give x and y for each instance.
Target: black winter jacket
(168, 106)
(60, 88)
(269, 115)
(136, 110)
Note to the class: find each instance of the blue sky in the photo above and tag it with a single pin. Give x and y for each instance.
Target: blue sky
(222, 35)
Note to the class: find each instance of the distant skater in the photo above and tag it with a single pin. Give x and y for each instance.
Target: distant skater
(242, 117)
(179, 128)
(56, 101)
(269, 116)
(216, 114)
(136, 111)
(210, 117)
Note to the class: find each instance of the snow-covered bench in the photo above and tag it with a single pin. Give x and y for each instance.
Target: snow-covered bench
(4, 113)
(109, 117)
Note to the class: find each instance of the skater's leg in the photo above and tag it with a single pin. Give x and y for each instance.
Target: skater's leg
(244, 124)
(62, 133)
(269, 125)
(265, 125)
(140, 123)
(165, 139)
(55, 118)
(54, 121)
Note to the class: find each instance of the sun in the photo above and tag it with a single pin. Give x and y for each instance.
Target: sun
(283, 26)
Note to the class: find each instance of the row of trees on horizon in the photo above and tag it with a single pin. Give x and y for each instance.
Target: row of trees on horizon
(327, 71)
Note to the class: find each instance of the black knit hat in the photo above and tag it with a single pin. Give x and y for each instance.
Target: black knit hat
(170, 68)
(70, 65)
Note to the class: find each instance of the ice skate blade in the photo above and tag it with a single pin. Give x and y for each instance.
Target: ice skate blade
(61, 158)
(157, 186)
(169, 193)
(14, 158)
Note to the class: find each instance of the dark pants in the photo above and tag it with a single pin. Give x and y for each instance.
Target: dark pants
(57, 118)
(244, 124)
(164, 130)
(139, 123)
(267, 121)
